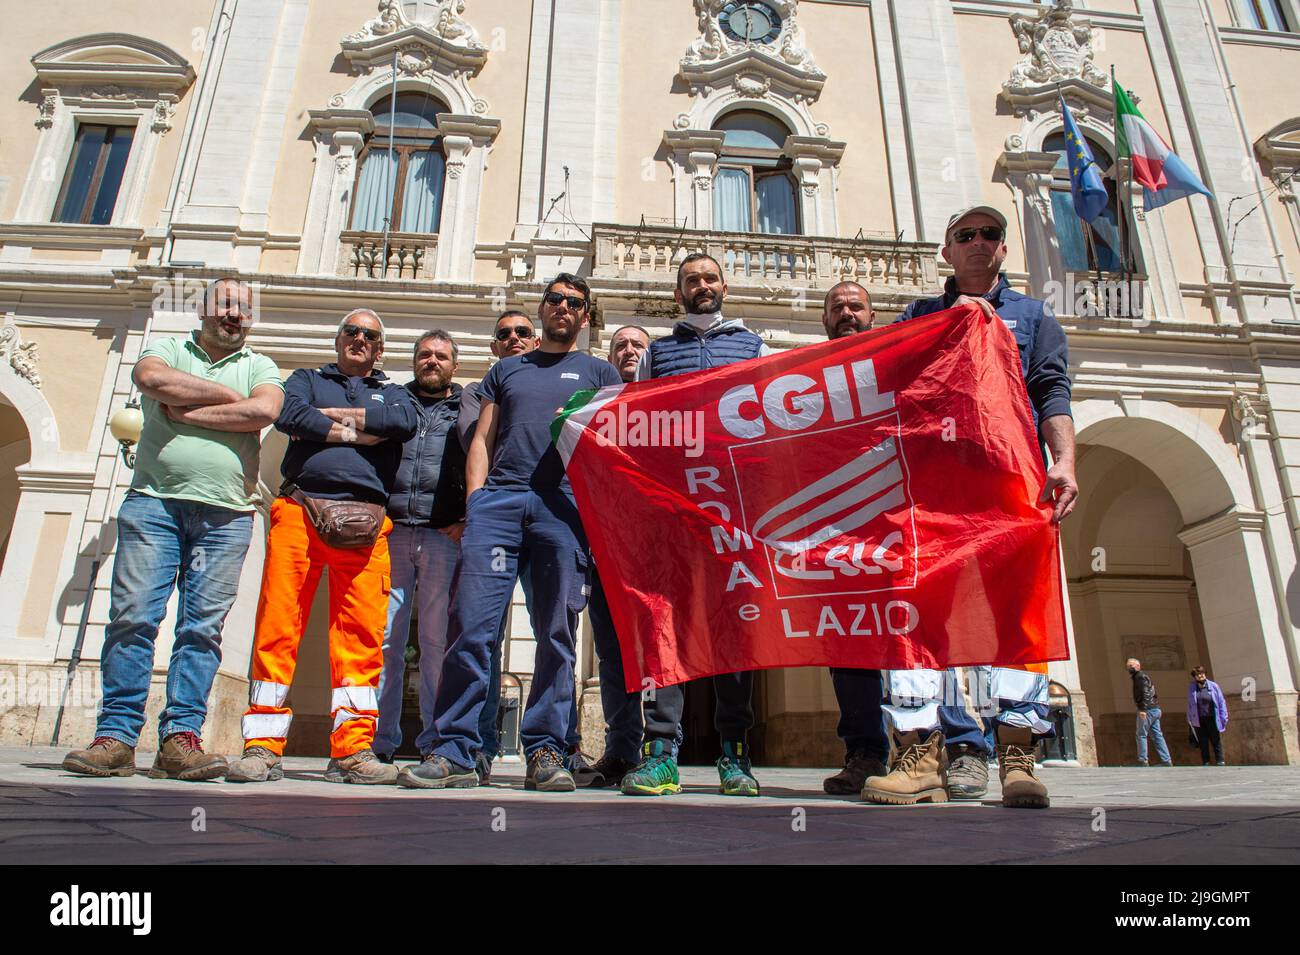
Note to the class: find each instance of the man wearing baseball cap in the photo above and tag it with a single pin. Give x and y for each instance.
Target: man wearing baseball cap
(940, 749)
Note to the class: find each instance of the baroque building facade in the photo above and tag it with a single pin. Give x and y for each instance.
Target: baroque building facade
(439, 159)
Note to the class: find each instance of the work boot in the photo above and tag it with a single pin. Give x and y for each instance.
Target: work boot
(583, 772)
(103, 757)
(968, 774)
(181, 756)
(257, 765)
(612, 769)
(482, 766)
(734, 771)
(1016, 754)
(858, 768)
(438, 772)
(920, 773)
(656, 774)
(546, 772)
(363, 768)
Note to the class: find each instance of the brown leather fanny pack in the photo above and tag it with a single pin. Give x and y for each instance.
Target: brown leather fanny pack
(348, 525)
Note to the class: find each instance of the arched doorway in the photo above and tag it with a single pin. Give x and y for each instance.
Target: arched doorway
(1167, 560)
(15, 450)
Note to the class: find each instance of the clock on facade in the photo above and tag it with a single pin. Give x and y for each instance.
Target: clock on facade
(750, 22)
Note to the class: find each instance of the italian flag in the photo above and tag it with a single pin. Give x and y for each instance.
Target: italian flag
(1163, 176)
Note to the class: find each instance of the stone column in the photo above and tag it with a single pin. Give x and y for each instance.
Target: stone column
(1239, 609)
(695, 155)
(340, 134)
(465, 143)
(1030, 175)
(814, 157)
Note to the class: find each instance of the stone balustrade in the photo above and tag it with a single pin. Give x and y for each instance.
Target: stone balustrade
(410, 255)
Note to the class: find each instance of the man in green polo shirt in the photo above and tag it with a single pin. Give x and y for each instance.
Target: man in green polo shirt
(186, 523)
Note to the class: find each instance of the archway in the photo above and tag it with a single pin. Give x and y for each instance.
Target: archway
(1166, 561)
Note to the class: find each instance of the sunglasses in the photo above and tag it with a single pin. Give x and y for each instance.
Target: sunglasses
(522, 332)
(991, 233)
(352, 331)
(575, 302)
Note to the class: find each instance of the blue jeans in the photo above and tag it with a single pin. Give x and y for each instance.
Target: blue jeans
(423, 562)
(502, 528)
(164, 543)
(488, 731)
(621, 709)
(1151, 725)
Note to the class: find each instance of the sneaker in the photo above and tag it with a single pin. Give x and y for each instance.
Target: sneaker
(612, 769)
(438, 772)
(546, 773)
(920, 773)
(583, 772)
(181, 756)
(363, 768)
(483, 766)
(257, 765)
(656, 774)
(105, 756)
(858, 767)
(968, 774)
(734, 772)
(1017, 754)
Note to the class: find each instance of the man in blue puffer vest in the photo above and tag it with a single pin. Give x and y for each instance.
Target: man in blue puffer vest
(704, 339)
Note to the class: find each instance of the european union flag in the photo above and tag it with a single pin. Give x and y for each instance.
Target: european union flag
(1085, 178)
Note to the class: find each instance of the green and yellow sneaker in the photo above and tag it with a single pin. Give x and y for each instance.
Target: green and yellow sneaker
(656, 774)
(734, 771)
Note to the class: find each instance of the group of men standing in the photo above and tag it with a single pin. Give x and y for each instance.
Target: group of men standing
(437, 499)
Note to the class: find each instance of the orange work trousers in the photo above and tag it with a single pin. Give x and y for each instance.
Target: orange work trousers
(358, 613)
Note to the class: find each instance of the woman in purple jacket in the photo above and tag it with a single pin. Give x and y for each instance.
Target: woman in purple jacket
(1207, 712)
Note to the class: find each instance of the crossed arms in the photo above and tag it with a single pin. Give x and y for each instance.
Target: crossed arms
(187, 399)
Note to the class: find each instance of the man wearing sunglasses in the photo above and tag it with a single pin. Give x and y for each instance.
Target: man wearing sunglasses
(520, 509)
(705, 338)
(346, 423)
(941, 751)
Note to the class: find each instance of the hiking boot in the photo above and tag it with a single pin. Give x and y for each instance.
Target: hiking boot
(103, 757)
(734, 772)
(438, 772)
(546, 773)
(612, 769)
(656, 774)
(583, 772)
(257, 765)
(483, 766)
(858, 767)
(919, 773)
(363, 768)
(1016, 754)
(968, 774)
(181, 756)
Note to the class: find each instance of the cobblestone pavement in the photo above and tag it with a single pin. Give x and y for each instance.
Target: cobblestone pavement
(1246, 814)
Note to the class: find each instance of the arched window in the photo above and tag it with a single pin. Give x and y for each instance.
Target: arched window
(754, 190)
(1085, 246)
(404, 181)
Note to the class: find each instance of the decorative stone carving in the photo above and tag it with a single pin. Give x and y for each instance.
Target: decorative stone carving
(49, 104)
(1056, 46)
(163, 110)
(1058, 51)
(810, 188)
(683, 121)
(751, 84)
(713, 44)
(1244, 410)
(454, 168)
(438, 18)
(748, 69)
(21, 356)
(704, 183)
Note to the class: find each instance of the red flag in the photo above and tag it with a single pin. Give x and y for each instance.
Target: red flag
(867, 502)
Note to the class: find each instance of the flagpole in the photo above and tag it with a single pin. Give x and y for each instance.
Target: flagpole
(1121, 184)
